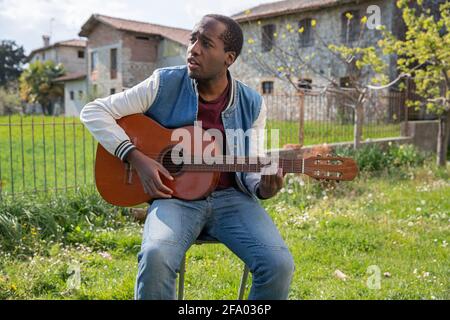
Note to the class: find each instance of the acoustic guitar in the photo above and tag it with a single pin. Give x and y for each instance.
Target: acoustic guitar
(195, 176)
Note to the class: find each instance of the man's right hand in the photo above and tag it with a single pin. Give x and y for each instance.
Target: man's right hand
(149, 172)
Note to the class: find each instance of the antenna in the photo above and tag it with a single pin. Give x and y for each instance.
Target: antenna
(51, 27)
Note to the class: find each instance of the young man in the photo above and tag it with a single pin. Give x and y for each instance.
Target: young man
(204, 90)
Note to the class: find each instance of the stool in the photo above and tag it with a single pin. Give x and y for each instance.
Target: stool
(183, 269)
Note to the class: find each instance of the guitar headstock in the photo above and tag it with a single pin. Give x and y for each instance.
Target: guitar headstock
(330, 167)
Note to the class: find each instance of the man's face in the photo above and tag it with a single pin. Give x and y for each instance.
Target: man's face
(206, 57)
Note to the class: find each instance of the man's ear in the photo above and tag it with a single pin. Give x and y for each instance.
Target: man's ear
(230, 58)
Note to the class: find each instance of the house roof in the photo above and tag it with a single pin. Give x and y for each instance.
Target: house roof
(176, 34)
(80, 43)
(71, 77)
(274, 9)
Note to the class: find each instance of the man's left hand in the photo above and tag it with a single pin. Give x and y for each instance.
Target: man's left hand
(271, 184)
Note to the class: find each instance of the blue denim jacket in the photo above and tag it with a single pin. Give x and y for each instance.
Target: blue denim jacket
(176, 105)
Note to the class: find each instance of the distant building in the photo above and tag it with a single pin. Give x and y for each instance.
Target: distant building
(75, 92)
(121, 53)
(267, 23)
(71, 54)
(117, 54)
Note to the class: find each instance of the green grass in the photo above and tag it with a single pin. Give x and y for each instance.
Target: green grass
(318, 132)
(395, 220)
(60, 153)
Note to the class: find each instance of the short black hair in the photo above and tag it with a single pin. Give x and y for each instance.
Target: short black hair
(233, 37)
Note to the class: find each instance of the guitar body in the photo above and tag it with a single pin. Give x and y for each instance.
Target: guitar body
(120, 185)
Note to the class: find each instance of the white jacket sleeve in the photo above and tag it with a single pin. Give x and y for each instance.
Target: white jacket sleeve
(100, 115)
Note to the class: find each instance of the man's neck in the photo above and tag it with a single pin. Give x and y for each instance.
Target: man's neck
(211, 89)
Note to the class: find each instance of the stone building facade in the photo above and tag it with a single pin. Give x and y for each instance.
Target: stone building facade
(303, 30)
(122, 53)
(71, 53)
(330, 27)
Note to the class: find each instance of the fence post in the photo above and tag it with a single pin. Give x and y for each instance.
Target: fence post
(405, 105)
(301, 126)
(359, 120)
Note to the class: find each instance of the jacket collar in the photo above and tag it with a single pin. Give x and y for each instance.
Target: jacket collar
(233, 92)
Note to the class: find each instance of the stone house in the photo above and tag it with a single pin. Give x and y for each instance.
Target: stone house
(122, 53)
(266, 28)
(72, 54)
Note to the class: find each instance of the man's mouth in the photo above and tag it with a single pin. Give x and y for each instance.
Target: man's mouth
(192, 63)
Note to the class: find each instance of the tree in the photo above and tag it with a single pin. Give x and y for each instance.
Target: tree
(11, 59)
(357, 59)
(425, 55)
(36, 84)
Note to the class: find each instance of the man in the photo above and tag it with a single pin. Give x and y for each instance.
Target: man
(204, 90)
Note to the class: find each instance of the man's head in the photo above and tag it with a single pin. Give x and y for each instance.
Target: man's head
(215, 43)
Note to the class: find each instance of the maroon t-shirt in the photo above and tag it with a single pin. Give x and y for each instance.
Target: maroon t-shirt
(209, 112)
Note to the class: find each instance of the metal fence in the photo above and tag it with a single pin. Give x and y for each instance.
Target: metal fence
(42, 154)
(329, 116)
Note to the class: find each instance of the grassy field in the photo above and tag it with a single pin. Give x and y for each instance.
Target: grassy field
(43, 153)
(392, 224)
(317, 132)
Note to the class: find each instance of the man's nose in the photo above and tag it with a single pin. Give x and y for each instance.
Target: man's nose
(195, 49)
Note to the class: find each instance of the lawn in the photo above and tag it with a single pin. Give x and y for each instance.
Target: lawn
(388, 232)
(41, 153)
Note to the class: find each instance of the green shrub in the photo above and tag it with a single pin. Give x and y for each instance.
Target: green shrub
(9, 101)
(374, 158)
(28, 219)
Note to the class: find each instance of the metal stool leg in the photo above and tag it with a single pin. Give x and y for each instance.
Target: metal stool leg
(181, 278)
(243, 283)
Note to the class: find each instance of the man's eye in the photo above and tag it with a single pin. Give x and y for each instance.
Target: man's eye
(205, 43)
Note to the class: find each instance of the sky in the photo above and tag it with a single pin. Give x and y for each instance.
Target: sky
(25, 21)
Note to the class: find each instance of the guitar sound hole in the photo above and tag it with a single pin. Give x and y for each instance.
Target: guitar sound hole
(167, 162)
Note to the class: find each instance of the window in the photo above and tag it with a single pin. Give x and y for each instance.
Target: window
(43, 55)
(113, 62)
(142, 38)
(306, 38)
(267, 87)
(345, 82)
(268, 38)
(350, 27)
(112, 91)
(72, 95)
(80, 54)
(305, 84)
(94, 60)
(80, 94)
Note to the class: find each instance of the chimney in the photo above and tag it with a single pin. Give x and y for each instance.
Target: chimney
(46, 40)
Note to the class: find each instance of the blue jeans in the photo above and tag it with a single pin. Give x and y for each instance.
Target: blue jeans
(229, 216)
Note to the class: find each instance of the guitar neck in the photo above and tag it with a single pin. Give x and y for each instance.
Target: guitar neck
(246, 164)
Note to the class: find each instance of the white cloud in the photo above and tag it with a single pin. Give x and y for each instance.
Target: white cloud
(25, 21)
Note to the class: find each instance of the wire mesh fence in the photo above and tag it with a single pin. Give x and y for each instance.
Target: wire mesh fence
(329, 116)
